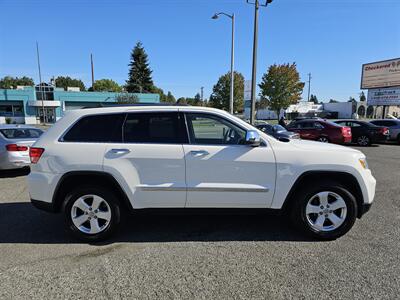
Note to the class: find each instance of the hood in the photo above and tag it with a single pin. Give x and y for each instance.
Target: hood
(325, 147)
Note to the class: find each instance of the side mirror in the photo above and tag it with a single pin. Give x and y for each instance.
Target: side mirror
(253, 138)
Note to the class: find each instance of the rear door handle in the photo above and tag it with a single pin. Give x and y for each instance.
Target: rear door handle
(199, 153)
(120, 151)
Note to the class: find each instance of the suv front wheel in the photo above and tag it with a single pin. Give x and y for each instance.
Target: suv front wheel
(325, 211)
(91, 213)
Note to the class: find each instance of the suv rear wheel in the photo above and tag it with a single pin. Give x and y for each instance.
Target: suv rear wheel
(325, 211)
(91, 213)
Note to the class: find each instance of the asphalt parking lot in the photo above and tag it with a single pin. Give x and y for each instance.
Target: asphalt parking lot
(203, 256)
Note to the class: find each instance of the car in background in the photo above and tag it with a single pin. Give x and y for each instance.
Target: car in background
(321, 130)
(364, 133)
(15, 141)
(394, 128)
(277, 131)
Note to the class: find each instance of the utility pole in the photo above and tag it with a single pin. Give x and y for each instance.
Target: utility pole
(40, 82)
(254, 68)
(309, 86)
(91, 64)
(202, 93)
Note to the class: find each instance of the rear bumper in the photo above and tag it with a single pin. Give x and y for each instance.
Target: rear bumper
(13, 161)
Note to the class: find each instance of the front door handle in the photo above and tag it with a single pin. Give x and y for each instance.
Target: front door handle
(199, 153)
(120, 151)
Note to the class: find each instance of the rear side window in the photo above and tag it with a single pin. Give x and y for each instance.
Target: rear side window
(21, 133)
(97, 129)
(158, 128)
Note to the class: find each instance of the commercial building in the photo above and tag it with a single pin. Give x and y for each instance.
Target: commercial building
(47, 104)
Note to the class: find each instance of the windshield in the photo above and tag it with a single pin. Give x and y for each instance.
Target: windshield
(279, 128)
(21, 133)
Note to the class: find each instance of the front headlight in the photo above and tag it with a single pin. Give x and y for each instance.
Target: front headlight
(363, 162)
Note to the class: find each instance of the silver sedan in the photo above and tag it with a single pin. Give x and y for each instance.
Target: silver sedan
(15, 141)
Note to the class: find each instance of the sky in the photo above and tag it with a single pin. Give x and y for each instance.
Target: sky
(187, 50)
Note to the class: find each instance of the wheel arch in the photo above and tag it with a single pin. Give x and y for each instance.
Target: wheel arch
(78, 178)
(347, 180)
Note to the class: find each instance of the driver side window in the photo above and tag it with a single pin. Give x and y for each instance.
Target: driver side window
(212, 130)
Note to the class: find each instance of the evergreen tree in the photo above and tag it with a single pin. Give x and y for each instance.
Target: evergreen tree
(139, 80)
(170, 98)
(362, 97)
(314, 99)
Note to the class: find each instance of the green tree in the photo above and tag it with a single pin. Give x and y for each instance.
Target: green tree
(362, 97)
(9, 82)
(106, 85)
(261, 104)
(314, 99)
(66, 81)
(139, 80)
(281, 86)
(221, 92)
(170, 98)
(181, 100)
(333, 101)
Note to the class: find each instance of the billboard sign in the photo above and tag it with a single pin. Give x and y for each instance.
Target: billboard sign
(388, 96)
(381, 74)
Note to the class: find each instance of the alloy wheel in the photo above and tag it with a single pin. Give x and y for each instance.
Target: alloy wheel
(91, 214)
(363, 140)
(326, 211)
(323, 139)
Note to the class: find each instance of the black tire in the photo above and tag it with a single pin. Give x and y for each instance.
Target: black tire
(363, 141)
(108, 197)
(298, 210)
(323, 139)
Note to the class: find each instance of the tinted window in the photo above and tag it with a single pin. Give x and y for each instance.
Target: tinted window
(21, 133)
(97, 128)
(265, 128)
(212, 130)
(163, 128)
(384, 123)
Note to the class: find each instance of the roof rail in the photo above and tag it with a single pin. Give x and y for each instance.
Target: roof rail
(134, 105)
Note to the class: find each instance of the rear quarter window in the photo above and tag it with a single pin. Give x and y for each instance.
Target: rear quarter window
(21, 133)
(106, 128)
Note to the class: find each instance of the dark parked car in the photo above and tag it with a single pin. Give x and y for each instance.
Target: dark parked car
(394, 128)
(321, 130)
(278, 131)
(364, 133)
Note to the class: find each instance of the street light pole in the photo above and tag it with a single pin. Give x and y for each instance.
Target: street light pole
(254, 68)
(232, 65)
(232, 17)
(40, 83)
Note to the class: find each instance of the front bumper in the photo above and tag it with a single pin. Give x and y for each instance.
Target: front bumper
(46, 206)
(364, 209)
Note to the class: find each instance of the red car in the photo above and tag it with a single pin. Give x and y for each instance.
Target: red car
(321, 130)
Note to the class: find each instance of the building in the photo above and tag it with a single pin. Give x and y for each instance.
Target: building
(25, 105)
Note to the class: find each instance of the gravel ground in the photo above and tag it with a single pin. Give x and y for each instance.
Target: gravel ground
(202, 257)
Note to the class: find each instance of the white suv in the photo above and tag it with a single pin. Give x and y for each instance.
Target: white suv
(96, 164)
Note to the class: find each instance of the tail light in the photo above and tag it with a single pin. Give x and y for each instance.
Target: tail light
(15, 147)
(35, 154)
(346, 131)
(384, 130)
